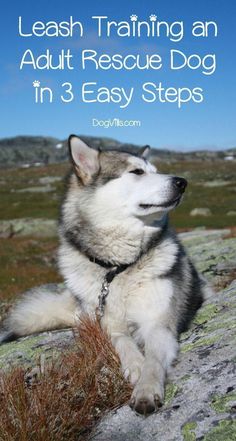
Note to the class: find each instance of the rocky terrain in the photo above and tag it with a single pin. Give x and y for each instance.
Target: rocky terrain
(200, 402)
(28, 227)
(201, 392)
(37, 150)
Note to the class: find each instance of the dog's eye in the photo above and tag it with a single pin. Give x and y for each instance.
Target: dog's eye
(137, 171)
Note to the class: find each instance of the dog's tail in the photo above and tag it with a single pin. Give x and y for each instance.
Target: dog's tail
(40, 311)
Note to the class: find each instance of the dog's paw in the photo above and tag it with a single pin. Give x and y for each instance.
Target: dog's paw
(146, 399)
(132, 373)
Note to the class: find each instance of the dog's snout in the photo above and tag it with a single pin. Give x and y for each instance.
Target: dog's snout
(180, 183)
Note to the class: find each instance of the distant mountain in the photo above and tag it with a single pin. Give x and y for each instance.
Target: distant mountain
(31, 150)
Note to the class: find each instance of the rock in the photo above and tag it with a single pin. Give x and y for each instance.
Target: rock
(201, 392)
(27, 350)
(201, 212)
(200, 234)
(28, 227)
(45, 180)
(216, 183)
(200, 395)
(43, 189)
(231, 213)
(215, 258)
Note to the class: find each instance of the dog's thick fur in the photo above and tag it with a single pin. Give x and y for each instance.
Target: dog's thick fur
(105, 222)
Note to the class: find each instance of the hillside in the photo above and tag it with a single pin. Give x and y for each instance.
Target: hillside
(36, 150)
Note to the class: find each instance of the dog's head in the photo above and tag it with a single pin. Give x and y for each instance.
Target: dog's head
(123, 183)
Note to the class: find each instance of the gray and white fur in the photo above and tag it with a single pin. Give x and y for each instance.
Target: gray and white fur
(104, 224)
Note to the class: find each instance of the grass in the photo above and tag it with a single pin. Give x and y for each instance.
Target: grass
(65, 400)
(220, 200)
(16, 205)
(26, 262)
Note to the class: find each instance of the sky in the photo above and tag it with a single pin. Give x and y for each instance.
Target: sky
(209, 124)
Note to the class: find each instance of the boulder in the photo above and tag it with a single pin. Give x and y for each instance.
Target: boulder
(200, 397)
(28, 227)
(216, 183)
(40, 189)
(201, 212)
(200, 400)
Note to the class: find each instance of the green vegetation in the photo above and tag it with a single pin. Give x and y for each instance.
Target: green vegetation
(221, 404)
(16, 203)
(170, 392)
(220, 200)
(206, 313)
(26, 262)
(188, 431)
(224, 431)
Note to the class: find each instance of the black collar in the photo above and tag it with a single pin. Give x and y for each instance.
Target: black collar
(99, 262)
(115, 269)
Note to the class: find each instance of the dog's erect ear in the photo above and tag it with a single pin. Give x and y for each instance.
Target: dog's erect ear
(84, 158)
(144, 152)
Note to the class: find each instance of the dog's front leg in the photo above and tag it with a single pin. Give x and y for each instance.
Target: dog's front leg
(160, 351)
(131, 358)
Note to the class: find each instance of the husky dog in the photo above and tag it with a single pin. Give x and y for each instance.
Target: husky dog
(133, 272)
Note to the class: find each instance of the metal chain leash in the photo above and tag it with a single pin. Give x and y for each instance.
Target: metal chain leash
(105, 289)
(102, 298)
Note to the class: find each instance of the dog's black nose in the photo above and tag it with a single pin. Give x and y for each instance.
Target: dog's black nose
(180, 183)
